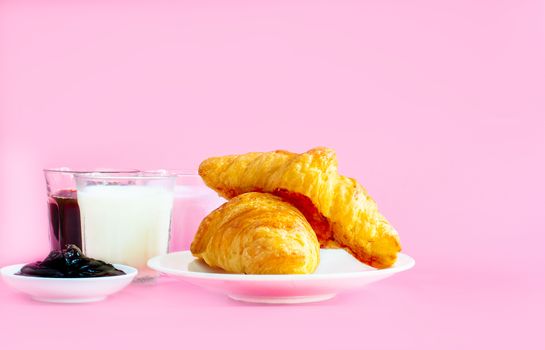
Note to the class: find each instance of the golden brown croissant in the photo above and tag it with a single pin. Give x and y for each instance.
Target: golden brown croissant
(338, 208)
(257, 233)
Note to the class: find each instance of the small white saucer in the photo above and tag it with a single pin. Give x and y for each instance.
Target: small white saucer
(67, 290)
(337, 271)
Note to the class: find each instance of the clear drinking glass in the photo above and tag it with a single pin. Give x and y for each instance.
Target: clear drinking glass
(126, 218)
(193, 201)
(62, 203)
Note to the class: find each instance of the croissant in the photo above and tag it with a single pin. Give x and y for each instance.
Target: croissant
(339, 209)
(257, 233)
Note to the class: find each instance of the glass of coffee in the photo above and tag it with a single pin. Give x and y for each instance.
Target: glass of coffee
(63, 208)
(126, 218)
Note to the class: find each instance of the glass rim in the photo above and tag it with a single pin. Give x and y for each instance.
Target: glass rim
(175, 172)
(67, 170)
(135, 176)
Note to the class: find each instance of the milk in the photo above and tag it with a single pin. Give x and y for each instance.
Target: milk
(125, 224)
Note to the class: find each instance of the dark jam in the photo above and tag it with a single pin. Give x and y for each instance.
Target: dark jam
(64, 218)
(69, 263)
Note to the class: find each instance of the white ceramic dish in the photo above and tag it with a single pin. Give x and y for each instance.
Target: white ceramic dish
(337, 271)
(67, 290)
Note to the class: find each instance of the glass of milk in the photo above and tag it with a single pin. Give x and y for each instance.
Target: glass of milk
(193, 201)
(126, 218)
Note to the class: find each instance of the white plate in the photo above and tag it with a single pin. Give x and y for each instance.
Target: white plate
(67, 290)
(337, 271)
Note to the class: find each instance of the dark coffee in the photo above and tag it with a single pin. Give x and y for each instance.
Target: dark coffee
(64, 219)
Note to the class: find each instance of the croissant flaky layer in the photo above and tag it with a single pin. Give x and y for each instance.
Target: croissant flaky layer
(337, 207)
(257, 233)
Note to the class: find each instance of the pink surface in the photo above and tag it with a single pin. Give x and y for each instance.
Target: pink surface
(436, 107)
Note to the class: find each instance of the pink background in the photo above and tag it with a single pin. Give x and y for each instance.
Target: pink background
(437, 107)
